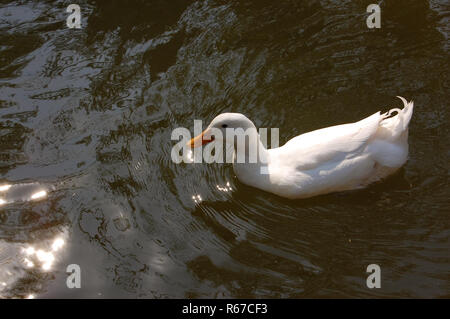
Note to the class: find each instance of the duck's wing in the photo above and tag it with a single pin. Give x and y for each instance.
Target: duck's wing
(335, 143)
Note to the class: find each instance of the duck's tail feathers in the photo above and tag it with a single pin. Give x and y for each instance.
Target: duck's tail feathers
(397, 125)
(407, 112)
(389, 146)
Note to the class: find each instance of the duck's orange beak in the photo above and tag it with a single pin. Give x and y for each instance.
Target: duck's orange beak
(200, 140)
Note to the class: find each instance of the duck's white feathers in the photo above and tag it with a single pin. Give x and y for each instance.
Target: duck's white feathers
(340, 157)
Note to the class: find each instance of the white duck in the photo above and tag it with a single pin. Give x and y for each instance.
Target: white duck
(336, 158)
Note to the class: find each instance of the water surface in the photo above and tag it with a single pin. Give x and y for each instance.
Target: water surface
(85, 122)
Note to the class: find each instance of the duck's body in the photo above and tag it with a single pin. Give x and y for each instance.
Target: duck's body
(336, 158)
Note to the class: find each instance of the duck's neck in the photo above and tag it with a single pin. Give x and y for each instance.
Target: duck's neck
(250, 160)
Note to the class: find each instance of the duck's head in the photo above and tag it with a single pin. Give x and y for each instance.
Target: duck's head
(217, 129)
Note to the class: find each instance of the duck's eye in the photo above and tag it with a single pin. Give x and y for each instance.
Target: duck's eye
(224, 126)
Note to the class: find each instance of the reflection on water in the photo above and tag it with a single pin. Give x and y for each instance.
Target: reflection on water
(17, 193)
(197, 199)
(226, 188)
(4, 188)
(25, 262)
(86, 175)
(45, 258)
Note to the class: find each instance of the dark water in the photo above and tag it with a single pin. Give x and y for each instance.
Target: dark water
(86, 116)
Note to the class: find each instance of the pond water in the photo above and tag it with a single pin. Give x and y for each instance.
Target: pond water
(86, 176)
